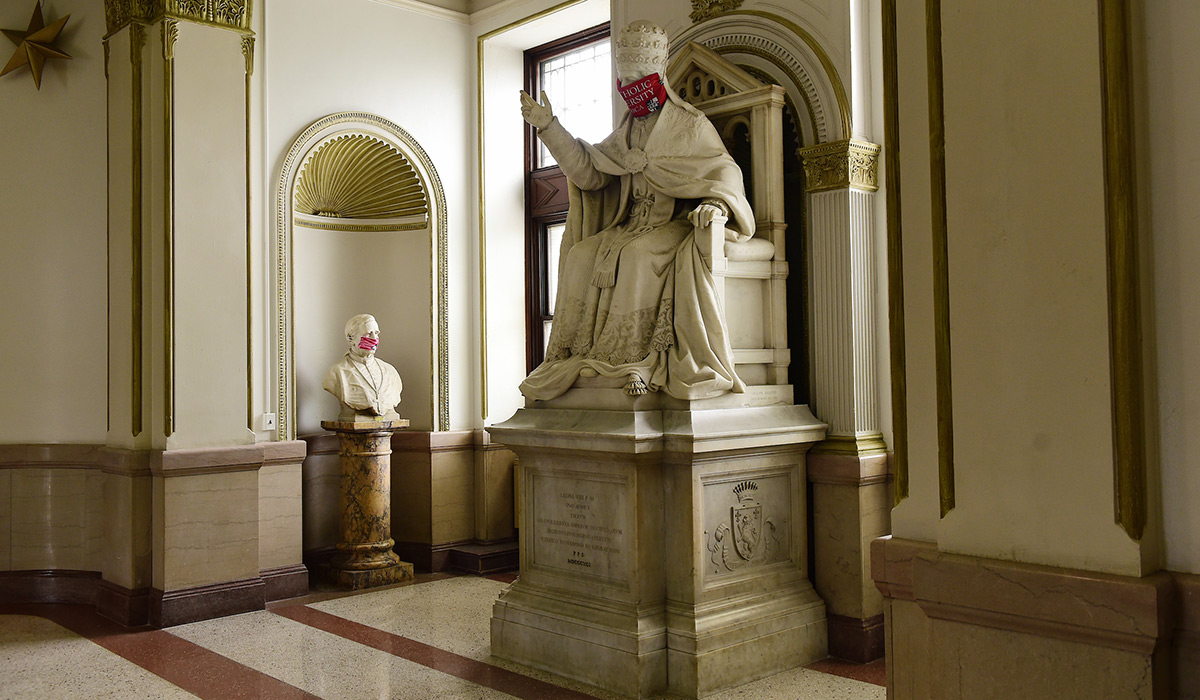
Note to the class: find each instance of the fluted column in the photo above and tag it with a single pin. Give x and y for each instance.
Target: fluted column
(849, 470)
(841, 182)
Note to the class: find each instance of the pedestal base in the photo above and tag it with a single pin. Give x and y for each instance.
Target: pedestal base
(662, 550)
(365, 558)
(616, 647)
(369, 578)
(744, 641)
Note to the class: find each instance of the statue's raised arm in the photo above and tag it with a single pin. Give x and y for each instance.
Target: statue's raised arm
(635, 299)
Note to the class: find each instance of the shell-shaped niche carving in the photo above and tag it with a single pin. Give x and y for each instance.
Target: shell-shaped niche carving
(355, 182)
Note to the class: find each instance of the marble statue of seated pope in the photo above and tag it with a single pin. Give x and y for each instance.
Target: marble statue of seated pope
(636, 299)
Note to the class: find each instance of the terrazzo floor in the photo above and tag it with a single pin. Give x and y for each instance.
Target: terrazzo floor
(429, 639)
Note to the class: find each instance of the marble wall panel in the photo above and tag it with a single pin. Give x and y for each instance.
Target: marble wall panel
(210, 529)
(412, 514)
(5, 519)
(494, 496)
(94, 519)
(908, 649)
(280, 516)
(54, 517)
(320, 488)
(846, 518)
(838, 570)
(127, 553)
(452, 495)
(981, 663)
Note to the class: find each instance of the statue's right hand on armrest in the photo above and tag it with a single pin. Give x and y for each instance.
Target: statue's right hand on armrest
(538, 114)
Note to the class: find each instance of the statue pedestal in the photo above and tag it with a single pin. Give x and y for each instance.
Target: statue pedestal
(364, 556)
(663, 547)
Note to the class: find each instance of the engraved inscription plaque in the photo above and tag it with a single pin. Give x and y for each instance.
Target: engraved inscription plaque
(580, 525)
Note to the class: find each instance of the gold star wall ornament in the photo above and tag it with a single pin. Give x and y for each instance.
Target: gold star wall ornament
(35, 44)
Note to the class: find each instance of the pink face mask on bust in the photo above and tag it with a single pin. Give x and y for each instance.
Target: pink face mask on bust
(644, 96)
(366, 343)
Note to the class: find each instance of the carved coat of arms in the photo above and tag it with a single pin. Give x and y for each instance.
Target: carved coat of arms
(747, 539)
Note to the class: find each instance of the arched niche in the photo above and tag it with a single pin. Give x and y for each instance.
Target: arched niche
(360, 228)
(768, 45)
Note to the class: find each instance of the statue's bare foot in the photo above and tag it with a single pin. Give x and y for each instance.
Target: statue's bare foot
(635, 386)
(587, 372)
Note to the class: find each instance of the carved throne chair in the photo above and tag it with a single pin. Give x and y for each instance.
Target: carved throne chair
(751, 276)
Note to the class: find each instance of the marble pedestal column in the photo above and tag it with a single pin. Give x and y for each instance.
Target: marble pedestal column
(364, 556)
(663, 543)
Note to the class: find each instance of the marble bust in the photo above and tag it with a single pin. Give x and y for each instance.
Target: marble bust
(636, 301)
(367, 387)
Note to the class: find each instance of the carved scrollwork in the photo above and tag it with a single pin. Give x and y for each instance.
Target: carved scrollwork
(248, 54)
(748, 539)
(226, 13)
(116, 14)
(229, 12)
(707, 9)
(170, 33)
(190, 9)
(841, 164)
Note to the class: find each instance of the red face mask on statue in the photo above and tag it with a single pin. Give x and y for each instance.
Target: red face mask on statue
(367, 343)
(644, 96)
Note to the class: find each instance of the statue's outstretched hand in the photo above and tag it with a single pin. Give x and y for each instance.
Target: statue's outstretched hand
(540, 115)
(702, 215)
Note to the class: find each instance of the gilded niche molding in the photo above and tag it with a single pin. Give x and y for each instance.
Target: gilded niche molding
(356, 182)
(841, 164)
(234, 14)
(370, 135)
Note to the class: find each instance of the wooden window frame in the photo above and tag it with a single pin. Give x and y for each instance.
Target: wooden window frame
(545, 198)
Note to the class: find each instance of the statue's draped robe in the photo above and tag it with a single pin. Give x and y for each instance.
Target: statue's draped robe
(634, 293)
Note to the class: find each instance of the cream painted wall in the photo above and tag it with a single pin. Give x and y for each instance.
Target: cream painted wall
(509, 34)
(1028, 296)
(321, 57)
(1172, 132)
(53, 337)
(210, 285)
(504, 207)
(339, 274)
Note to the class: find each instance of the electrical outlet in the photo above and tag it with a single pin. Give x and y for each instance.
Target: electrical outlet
(268, 421)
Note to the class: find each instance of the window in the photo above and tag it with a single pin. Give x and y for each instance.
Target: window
(576, 74)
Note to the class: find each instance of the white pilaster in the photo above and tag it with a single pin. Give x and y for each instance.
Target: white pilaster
(841, 182)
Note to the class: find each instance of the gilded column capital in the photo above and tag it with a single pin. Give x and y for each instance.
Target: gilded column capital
(230, 14)
(841, 164)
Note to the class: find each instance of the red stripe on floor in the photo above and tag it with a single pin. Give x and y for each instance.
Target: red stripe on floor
(874, 672)
(438, 659)
(193, 668)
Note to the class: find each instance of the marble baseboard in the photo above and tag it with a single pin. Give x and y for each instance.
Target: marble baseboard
(49, 586)
(1020, 630)
(285, 582)
(1186, 641)
(170, 608)
(130, 608)
(852, 639)
(427, 558)
(487, 558)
